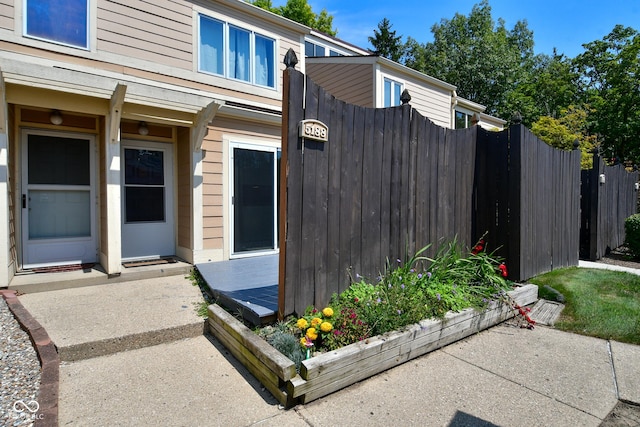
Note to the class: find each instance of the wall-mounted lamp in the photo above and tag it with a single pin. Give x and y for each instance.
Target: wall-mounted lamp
(601, 179)
(55, 117)
(637, 186)
(143, 129)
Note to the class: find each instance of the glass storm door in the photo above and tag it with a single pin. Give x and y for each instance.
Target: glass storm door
(147, 201)
(58, 200)
(254, 198)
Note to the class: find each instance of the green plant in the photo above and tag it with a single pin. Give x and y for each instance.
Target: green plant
(632, 234)
(288, 345)
(599, 303)
(197, 280)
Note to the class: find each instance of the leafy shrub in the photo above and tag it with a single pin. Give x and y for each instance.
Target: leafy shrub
(632, 234)
(288, 345)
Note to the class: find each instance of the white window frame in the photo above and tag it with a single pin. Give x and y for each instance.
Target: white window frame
(394, 83)
(89, 24)
(226, 24)
(327, 48)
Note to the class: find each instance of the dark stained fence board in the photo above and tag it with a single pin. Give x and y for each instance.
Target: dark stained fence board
(389, 182)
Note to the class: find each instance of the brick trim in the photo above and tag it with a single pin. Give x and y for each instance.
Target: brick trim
(48, 356)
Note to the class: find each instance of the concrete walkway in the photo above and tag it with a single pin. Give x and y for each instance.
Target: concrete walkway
(504, 376)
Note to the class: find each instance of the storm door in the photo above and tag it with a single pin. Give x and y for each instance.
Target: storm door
(58, 200)
(147, 201)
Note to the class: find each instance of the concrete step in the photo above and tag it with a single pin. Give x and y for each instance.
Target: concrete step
(546, 312)
(30, 282)
(86, 322)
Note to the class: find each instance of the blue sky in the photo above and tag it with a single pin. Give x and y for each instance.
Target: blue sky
(564, 24)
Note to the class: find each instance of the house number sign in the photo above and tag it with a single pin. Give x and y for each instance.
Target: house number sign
(314, 129)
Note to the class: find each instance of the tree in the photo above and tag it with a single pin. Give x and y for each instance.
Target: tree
(385, 42)
(483, 59)
(562, 133)
(610, 70)
(300, 11)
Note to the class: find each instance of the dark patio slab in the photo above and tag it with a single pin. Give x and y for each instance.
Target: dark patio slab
(246, 285)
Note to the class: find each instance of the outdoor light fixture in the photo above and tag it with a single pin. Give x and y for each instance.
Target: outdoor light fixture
(55, 117)
(143, 129)
(637, 186)
(601, 179)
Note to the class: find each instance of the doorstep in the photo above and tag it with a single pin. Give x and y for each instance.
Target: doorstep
(30, 282)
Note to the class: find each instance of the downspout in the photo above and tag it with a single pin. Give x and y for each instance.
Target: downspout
(454, 103)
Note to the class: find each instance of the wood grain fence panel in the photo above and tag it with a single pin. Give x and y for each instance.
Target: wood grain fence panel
(356, 156)
(423, 183)
(321, 180)
(372, 191)
(291, 220)
(386, 204)
(311, 153)
(336, 273)
(395, 187)
(348, 172)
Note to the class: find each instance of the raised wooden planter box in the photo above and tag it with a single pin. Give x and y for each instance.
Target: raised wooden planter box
(329, 372)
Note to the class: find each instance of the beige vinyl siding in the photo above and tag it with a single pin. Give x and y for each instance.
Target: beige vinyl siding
(184, 188)
(348, 82)
(157, 31)
(212, 232)
(430, 101)
(6, 14)
(212, 171)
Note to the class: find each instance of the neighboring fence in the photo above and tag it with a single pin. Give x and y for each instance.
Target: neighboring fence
(609, 196)
(387, 183)
(527, 200)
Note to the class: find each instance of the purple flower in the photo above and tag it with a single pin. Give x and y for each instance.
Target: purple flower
(399, 261)
(378, 300)
(429, 274)
(402, 286)
(399, 311)
(438, 296)
(413, 270)
(419, 275)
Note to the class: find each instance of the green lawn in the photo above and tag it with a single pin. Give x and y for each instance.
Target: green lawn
(599, 303)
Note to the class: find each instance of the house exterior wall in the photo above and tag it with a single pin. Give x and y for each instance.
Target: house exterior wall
(357, 89)
(6, 14)
(431, 101)
(223, 131)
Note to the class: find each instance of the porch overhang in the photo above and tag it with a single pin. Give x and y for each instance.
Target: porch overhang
(144, 100)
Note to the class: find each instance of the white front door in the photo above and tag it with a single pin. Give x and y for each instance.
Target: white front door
(58, 199)
(147, 200)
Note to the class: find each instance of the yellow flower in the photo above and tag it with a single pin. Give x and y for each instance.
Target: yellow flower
(312, 334)
(328, 311)
(316, 321)
(326, 326)
(302, 323)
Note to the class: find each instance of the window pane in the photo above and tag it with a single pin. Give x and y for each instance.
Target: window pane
(309, 49)
(461, 120)
(334, 53)
(387, 93)
(397, 90)
(264, 61)
(59, 214)
(211, 46)
(320, 51)
(144, 204)
(143, 167)
(58, 161)
(239, 54)
(63, 21)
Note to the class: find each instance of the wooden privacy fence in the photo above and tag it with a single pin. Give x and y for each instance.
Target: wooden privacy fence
(527, 199)
(609, 196)
(387, 182)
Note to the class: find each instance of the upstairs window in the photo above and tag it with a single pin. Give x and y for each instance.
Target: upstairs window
(314, 49)
(236, 53)
(392, 92)
(59, 21)
(462, 120)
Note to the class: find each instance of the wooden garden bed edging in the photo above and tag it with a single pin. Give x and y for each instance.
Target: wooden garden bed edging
(332, 371)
